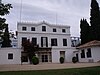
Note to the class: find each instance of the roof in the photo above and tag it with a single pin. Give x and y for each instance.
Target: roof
(40, 23)
(89, 44)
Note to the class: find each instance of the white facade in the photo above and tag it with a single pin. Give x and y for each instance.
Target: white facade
(10, 56)
(59, 32)
(89, 52)
(95, 55)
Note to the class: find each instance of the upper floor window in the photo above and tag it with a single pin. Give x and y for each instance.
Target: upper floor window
(24, 28)
(64, 42)
(32, 28)
(54, 42)
(10, 55)
(43, 28)
(54, 30)
(64, 30)
(89, 53)
(83, 54)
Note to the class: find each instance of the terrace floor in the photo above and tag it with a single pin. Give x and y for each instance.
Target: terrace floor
(45, 66)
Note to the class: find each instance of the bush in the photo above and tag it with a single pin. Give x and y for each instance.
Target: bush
(35, 60)
(74, 60)
(61, 60)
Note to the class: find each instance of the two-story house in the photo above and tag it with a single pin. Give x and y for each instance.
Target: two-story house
(53, 40)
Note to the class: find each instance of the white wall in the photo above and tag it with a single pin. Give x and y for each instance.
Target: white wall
(95, 52)
(4, 56)
(68, 54)
(49, 33)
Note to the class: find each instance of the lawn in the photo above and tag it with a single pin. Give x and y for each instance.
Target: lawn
(79, 71)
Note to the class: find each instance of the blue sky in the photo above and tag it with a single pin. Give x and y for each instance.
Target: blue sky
(67, 12)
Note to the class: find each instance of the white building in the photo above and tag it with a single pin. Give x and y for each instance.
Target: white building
(53, 40)
(89, 52)
(10, 56)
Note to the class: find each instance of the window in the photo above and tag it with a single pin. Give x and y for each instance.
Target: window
(24, 28)
(64, 30)
(10, 55)
(44, 58)
(54, 42)
(82, 54)
(64, 42)
(89, 53)
(34, 41)
(24, 39)
(24, 59)
(54, 30)
(43, 28)
(44, 42)
(32, 28)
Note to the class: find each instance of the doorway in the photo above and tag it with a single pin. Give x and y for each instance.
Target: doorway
(44, 58)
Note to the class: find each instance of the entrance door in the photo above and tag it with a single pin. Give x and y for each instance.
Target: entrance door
(44, 58)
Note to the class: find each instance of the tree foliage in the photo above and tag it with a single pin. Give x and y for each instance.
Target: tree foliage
(85, 31)
(4, 10)
(30, 48)
(6, 38)
(95, 19)
(92, 31)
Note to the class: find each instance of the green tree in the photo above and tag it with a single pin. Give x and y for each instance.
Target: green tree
(95, 20)
(92, 32)
(6, 38)
(4, 10)
(85, 31)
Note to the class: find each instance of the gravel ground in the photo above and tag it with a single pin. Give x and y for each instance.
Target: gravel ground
(45, 66)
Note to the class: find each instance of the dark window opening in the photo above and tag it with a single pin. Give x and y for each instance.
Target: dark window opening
(64, 42)
(24, 28)
(82, 54)
(64, 30)
(24, 59)
(44, 58)
(10, 56)
(43, 28)
(54, 30)
(89, 53)
(32, 28)
(53, 42)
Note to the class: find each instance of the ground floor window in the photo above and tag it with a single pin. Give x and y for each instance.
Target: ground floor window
(24, 59)
(82, 54)
(10, 55)
(44, 58)
(89, 53)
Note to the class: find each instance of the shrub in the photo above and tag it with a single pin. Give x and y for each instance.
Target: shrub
(61, 60)
(35, 60)
(74, 60)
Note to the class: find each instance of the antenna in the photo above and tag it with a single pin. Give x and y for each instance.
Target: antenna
(56, 18)
(21, 11)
